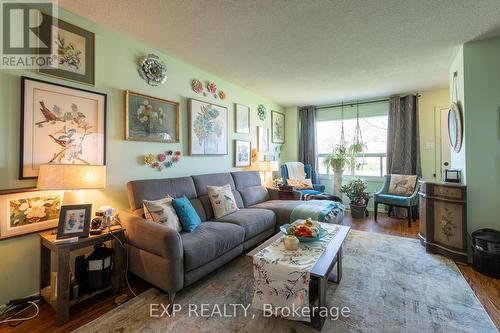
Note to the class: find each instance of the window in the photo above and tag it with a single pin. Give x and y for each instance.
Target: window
(373, 122)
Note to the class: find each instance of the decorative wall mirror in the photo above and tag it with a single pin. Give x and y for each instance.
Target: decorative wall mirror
(455, 130)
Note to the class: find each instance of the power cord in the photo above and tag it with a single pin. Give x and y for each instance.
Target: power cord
(12, 318)
(126, 253)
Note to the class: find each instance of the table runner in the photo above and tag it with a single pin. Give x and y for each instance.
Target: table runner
(281, 277)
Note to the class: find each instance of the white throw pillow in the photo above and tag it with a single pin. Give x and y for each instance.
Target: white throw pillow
(222, 200)
(402, 184)
(161, 211)
(300, 184)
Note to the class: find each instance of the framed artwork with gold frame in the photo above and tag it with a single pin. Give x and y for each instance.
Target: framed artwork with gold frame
(152, 119)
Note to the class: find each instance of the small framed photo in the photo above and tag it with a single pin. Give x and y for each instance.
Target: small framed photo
(74, 221)
(242, 119)
(242, 153)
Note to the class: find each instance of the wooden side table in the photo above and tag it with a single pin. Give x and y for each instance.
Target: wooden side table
(63, 303)
(286, 192)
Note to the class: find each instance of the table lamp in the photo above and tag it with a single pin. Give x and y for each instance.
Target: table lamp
(72, 178)
(268, 167)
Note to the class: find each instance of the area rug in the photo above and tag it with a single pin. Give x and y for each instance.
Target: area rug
(389, 284)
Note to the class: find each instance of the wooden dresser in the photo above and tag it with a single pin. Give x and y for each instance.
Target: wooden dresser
(443, 219)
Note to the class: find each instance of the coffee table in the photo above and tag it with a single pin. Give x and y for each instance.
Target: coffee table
(327, 268)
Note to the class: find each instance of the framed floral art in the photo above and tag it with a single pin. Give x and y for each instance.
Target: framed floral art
(28, 212)
(207, 128)
(242, 119)
(278, 127)
(150, 118)
(60, 124)
(73, 53)
(242, 153)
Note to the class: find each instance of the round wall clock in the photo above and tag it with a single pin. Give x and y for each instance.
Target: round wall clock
(455, 130)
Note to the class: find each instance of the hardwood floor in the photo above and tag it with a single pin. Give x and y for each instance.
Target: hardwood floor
(486, 289)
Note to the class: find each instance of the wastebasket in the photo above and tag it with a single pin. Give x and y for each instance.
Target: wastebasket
(486, 252)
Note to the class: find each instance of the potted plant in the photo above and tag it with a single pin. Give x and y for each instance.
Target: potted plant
(358, 196)
(337, 161)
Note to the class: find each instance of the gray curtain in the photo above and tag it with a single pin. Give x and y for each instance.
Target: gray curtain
(307, 140)
(403, 146)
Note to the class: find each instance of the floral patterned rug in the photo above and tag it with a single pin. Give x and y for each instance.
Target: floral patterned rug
(389, 284)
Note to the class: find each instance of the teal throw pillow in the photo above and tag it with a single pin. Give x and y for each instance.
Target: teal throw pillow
(186, 213)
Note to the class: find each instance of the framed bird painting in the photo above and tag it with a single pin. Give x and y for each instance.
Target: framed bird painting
(60, 124)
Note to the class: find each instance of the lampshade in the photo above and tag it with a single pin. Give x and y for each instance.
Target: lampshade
(55, 176)
(269, 166)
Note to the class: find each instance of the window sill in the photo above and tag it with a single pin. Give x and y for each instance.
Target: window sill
(367, 178)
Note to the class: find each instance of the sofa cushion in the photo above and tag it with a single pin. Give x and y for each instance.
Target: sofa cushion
(254, 221)
(154, 189)
(187, 214)
(282, 208)
(222, 200)
(162, 211)
(254, 195)
(209, 241)
(244, 179)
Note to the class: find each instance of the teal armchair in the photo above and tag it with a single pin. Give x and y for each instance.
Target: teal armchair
(392, 200)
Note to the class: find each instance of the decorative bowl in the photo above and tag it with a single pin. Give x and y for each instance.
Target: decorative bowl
(322, 233)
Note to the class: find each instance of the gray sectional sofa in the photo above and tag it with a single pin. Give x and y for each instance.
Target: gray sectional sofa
(172, 260)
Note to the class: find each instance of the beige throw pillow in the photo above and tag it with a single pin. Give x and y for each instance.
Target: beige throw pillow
(300, 184)
(222, 200)
(402, 184)
(161, 211)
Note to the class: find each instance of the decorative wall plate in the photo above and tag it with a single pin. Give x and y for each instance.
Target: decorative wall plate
(261, 111)
(152, 70)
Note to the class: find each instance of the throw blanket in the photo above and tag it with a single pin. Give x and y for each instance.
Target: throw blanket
(295, 170)
(282, 277)
(318, 210)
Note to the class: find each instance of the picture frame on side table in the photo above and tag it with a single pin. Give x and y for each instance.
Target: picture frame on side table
(26, 212)
(60, 124)
(207, 127)
(278, 127)
(150, 118)
(73, 51)
(74, 221)
(242, 153)
(242, 119)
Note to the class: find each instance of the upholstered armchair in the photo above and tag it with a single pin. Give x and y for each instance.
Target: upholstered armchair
(392, 200)
(317, 188)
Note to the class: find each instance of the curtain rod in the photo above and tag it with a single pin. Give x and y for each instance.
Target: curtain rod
(387, 99)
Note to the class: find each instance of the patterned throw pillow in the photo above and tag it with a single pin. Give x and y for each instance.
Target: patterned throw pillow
(222, 200)
(402, 184)
(300, 184)
(162, 211)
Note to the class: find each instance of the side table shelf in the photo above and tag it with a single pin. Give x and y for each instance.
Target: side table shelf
(63, 303)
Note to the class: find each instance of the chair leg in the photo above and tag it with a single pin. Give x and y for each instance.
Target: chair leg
(409, 217)
(376, 208)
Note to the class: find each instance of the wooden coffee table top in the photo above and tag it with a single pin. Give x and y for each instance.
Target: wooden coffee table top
(326, 261)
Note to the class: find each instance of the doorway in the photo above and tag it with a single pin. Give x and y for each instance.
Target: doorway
(442, 142)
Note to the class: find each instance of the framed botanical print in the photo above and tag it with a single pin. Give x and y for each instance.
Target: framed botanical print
(74, 221)
(150, 118)
(60, 124)
(278, 127)
(28, 212)
(73, 53)
(207, 128)
(262, 139)
(242, 153)
(242, 119)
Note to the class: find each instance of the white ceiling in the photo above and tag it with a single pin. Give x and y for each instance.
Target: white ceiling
(307, 52)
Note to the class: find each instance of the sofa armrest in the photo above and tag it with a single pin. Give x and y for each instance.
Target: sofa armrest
(319, 187)
(152, 237)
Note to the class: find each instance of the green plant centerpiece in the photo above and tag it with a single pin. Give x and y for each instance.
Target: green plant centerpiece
(355, 190)
(338, 160)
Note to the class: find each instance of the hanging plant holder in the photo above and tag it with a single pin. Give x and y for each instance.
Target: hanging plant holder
(358, 146)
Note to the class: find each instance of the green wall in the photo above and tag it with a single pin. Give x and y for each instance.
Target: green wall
(481, 101)
(116, 71)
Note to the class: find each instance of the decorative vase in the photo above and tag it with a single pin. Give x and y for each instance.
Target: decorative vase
(291, 243)
(337, 182)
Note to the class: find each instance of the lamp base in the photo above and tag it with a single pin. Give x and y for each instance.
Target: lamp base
(73, 197)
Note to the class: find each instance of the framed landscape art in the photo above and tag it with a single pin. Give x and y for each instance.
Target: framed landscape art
(207, 128)
(73, 53)
(242, 119)
(29, 212)
(60, 124)
(150, 118)
(242, 153)
(278, 127)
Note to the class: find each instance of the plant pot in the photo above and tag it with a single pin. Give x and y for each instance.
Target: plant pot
(358, 211)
